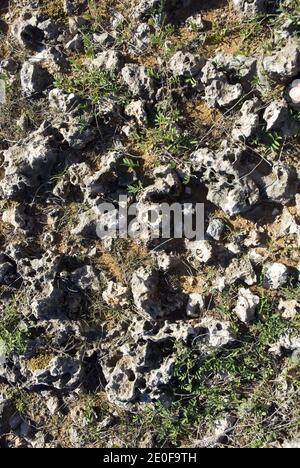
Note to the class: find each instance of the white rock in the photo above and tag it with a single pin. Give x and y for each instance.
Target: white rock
(202, 251)
(246, 305)
(276, 275)
(289, 309)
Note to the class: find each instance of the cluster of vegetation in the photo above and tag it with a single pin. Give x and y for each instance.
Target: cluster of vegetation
(13, 332)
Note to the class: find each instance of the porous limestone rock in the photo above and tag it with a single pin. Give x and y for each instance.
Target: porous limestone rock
(110, 60)
(276, 116)
(28, 163)
(202, 251)
(137, 110)
(139, 83)
(250, 8)
(281, 185)
(34, 79)
(248, 122)
(284, 64)
(240, 269)
(216, 229)
(186, 64)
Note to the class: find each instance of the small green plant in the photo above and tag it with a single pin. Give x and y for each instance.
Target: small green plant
(269, 143)
(160, 37)
(130, 163)
(136, 188)
(88, 43)
(88, 82)
(12, 330)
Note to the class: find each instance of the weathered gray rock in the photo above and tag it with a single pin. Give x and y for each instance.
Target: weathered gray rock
(110, 60)
(186, 64)
(20, 217)
(140, 84)
(29, 163)
(7, 410)
(73, 118)
(218, 333)
(287, 342)
(240, 67)
(284, 64)
(289, 225)
(219, 171)
(196, 305)
(166, 262)
(62, 373)
(240, 269)
(141, 38)
(85, 278)
(235, 199)
(28, 33)
(167, 185)
(116, 294)
(8, 273)
(222, 94)
(149, 296)
(145, 290)
(250, 8)
(216, 229)
(248, 122)
(9, 65)
(104, 39)
(73, 7)
(289, 309)
(276, 116)
(137, 110)
(34, 79)
(285, 31)
(146, 8)
(281, 185)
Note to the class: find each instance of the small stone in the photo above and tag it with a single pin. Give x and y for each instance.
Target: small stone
(276, 275)
(289, 309)
(216, 229)
(75, 44)
(250, 8)
(248, 122)
(110, 60)
(186, 64)
(201, 251)
(196, 305)
(137, 110)
(34, 79)
(240, 269)
(246, 305)
(195, 23)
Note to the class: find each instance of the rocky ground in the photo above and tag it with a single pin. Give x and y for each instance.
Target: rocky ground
(139, 343)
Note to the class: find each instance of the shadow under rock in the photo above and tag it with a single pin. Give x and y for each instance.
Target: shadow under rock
(196, 6)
